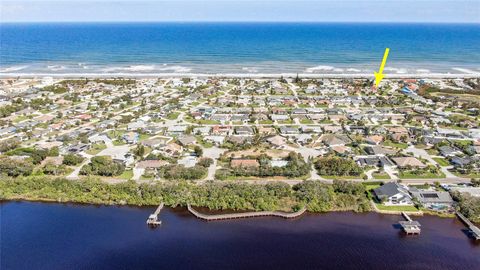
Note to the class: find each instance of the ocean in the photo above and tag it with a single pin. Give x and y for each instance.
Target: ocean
(237, 48)
(71, 236)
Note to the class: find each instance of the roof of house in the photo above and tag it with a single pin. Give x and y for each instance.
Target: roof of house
(277, 140)
(244, 163)
(427, 196)
(186, 140)
(380, 150)
(408, 161)
(387, 190)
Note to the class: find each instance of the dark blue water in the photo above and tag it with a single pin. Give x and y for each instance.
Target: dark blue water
(236, 47)
(58, 236)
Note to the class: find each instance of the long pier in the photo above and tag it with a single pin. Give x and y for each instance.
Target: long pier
(474, 230)
(153, 218)
(409, 226)
(245, 215)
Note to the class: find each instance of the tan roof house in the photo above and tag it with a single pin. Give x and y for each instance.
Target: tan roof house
(235, 163)
(403, 162)
(277, 141)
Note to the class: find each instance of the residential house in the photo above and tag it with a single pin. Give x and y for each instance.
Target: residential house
(393, 193)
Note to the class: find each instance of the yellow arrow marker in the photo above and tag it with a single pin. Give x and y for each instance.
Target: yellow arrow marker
(379, 75)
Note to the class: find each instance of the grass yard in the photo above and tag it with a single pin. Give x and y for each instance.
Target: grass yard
(127, 175)
(405, 208)
(306, 121)
(425, 175)
(173, 116)
(382, 176)
(441, 161)
(397, 145)
(265, 122)
(346, 177)
(371, 185)
(96, 148)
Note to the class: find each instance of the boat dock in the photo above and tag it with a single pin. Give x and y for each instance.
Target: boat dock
(409, 226)
(245, 215)
(153, 218)
(474, 230)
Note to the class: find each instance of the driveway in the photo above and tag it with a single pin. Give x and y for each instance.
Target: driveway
(213, 153)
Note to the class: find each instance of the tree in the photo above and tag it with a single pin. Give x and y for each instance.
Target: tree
(476, 182)
(7, 145)
(337, 166)
(72, 159)
(14, 168)
(205, 162)
(103, 166)
(139, 151)
(198, 151)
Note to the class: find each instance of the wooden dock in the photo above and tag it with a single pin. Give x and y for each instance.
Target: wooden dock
(409, 226)
(474, 230)
(153, 218)
(245, 215)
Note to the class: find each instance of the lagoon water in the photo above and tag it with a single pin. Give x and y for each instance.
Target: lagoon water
(247, 48)
(68, 236)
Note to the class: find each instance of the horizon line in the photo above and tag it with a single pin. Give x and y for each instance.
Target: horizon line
(253, 22)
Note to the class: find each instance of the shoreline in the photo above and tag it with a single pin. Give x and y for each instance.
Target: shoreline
(242, 75)
(214, 212)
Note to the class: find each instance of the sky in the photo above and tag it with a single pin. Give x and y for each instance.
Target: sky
(438, 11)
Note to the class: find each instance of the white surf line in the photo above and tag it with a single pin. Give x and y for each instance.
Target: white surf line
(243, 75)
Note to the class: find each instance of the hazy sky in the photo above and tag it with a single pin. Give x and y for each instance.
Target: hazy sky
(241, 10)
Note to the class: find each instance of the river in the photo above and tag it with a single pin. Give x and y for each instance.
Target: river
(71, 236)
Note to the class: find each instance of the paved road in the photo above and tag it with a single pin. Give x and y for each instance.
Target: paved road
(425, 155)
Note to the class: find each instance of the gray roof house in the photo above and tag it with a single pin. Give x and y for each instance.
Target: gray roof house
(432, 199)
(393, 193)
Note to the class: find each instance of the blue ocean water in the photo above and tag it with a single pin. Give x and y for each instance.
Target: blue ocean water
(237, 48)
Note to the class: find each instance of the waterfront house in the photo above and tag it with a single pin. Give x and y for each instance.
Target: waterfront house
(393, 193)
(435, 200)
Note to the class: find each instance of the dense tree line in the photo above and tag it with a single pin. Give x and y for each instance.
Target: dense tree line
(180, 172)
(9, 144)
(72, 159)
(103, 166)
(37, 155)
(318, 197)
(15, 167)
(337, 166)
(468, 205)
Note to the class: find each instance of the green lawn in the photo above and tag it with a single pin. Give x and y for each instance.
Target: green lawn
(425, 175)
(406, 208)
(20, 118)
(173, 116)
(394, 144)
(381, 176)
(441, 161)
(371, 185)
(127, 175)
(209, 122)
(143, 137)
(306, 121)
(472, 175)
(347, 177)
(118, 142)
(265, 122)
(96, 148)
